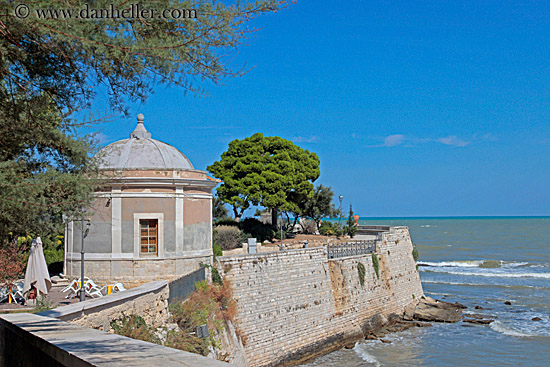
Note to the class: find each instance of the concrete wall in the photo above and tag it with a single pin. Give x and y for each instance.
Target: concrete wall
(150, 301)
(28, 340)
(295, 304)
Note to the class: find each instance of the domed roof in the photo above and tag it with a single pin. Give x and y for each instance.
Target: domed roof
(141, 152)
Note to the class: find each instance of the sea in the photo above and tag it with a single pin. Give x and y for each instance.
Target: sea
(477, 261)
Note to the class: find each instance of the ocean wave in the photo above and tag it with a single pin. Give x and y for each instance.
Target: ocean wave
(501, 328)
(458, 263)
(361, 352)
(481, 264)
(490, 285)
(494, 274)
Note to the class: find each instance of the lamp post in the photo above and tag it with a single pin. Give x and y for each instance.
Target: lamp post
(341, 198)
(84, 234)
(281, 230)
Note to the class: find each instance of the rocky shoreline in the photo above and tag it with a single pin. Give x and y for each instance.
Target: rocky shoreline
(422, 314)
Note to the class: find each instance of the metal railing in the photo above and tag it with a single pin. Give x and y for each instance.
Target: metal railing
(344, 249)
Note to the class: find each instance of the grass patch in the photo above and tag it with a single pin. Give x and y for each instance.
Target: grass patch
(361, 271)
(376, 265)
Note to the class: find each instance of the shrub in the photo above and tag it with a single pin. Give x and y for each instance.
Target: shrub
(376, 265)
(216, 277)
(216, 249)
(134, 326)
(209, 304)
(227, 222)
(228, 237)
(42, 304)
(308, 226)
(361, 272)
(184, 341)
(328, 228)
(262, 232)
(415, 254)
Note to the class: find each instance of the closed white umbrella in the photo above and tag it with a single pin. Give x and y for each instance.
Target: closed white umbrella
(37, 271)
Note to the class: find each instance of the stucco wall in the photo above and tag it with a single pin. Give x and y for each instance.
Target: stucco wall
(295, 304)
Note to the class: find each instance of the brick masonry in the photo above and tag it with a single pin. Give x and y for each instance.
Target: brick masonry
(296, 304)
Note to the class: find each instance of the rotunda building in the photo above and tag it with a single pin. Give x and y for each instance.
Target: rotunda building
(151, 218)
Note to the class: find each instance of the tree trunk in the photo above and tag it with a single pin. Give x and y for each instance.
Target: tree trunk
(237, 214)
(274, 218)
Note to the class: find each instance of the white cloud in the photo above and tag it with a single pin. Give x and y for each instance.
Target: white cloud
(305, 139)
(453, 140)
(394, 140)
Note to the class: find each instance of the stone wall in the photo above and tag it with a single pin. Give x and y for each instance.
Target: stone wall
(296, 304)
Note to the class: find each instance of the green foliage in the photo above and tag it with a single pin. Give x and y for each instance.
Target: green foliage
(267, 171)
(216, 250)
(208, 304)
(134, 326)
(50, 69)
(319, 205)
(329, 229)
(216, 277)
(219, 211)
(361, 271)
(257, 229)
(228, 237)
(376, 265)
(415, 254)
(227, 222)
(42, 304)
(350, 228)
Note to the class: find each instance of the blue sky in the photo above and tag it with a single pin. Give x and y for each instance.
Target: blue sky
(415, 108)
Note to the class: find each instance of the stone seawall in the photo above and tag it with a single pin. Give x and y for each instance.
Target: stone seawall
(294, 305)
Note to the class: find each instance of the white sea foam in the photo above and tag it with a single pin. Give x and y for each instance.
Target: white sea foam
(501, 328)
(458, 263)
(500, 275)
(451, 283)
(360, 349)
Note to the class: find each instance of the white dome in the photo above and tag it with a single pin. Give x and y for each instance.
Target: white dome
(141, 152)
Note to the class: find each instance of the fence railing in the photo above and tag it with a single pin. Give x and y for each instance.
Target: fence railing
(344, 249)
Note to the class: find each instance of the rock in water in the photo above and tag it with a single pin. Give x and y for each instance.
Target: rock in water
(478, 308)
(432, 310)
(536, 319)
(385, 341)
(508, 303)
(350, 345)
(479, 321)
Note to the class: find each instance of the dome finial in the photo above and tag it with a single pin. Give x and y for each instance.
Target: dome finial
(140, 132)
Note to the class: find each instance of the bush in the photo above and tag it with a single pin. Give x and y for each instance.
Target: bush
(134, 326)
(262, 232)
(227, 222)
(308, 226)
(331, 229)
(209, 304)
(228, 237)
(216, 249)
